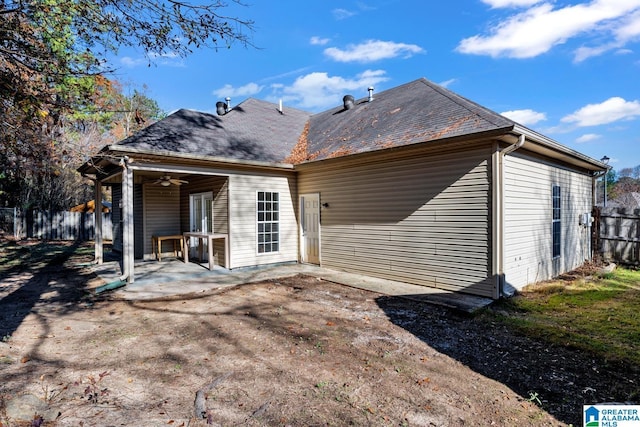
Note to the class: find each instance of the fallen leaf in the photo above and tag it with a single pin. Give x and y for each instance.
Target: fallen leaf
(330, 323)
(67, 328)
(25, 359)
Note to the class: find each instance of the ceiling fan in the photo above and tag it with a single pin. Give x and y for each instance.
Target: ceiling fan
(166, 180)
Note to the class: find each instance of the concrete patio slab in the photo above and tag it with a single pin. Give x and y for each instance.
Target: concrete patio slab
(171, 278)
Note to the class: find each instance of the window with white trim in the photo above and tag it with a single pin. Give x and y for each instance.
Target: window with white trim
(556, 221)
(268, 218)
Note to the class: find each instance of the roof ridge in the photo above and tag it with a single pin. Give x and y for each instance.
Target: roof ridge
(489, 115)
(262, 101)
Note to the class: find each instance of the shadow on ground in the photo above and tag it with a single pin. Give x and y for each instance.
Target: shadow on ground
(561, 380)
(45, 268)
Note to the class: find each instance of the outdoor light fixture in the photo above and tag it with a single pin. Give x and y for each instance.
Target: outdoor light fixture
(325, 205)
(605, 160)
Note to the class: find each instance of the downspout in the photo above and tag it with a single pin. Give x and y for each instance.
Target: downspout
(498, 217)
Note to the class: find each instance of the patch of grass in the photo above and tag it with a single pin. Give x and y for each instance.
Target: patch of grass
(600, 315)
(28, 254)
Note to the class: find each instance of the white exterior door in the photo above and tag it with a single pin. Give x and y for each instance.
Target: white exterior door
(201, 219)
(310, 228)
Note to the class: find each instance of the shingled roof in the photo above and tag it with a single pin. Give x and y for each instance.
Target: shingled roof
(412, 113)
(252, 130)
(416, 112)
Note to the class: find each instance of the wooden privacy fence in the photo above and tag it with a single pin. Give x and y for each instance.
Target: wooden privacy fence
(47, 225)
(617, 234)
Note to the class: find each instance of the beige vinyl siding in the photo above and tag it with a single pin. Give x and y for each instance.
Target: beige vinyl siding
(138, 222)
(116, 219)
(423, 220)
(161, 215)
(218, 185)
(528, 238)
(243, 220)
(116, 216)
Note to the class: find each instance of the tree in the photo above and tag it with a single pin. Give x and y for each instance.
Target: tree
(51, 63)
(623, 190)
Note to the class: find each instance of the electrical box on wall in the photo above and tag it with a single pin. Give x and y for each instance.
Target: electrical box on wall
(585, 219)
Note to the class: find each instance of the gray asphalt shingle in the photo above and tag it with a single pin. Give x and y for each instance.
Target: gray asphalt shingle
(412, 113)
(416, 112)
(252, 130)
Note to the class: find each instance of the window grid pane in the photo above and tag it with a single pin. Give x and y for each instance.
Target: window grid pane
(267, 207)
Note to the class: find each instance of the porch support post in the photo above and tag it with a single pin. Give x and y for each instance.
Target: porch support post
(127, 226)
(97, 212)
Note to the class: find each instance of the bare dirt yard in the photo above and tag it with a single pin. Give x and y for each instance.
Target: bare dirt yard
(292, 352)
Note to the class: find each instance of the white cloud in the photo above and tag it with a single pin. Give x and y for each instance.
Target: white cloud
(624, 30)
(583, 52)
(510, 3)
(372, 50)
(541, 27)
(588, 137)
(318, 91)
(170, 59)
(247, 90)
(341, 14)
(630, 28)
(448, 83)
(319, 41)
(130, 62)
(609, 111)
(525, 117)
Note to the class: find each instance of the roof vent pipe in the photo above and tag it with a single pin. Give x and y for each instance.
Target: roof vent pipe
(228, 99)
(370, 93)
(349, 102)
(221, 108)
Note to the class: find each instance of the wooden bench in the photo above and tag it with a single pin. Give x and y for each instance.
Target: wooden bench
(156, 244)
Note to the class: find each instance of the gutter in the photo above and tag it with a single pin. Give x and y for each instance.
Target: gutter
(546, 146)
(188, 156)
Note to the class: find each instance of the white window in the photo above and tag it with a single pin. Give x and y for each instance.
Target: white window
(268, 219)
(556, 222)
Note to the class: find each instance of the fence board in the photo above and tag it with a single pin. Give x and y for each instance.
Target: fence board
(47, 225)
(619, 235)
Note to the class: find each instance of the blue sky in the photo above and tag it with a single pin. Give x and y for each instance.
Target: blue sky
(567, 69)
